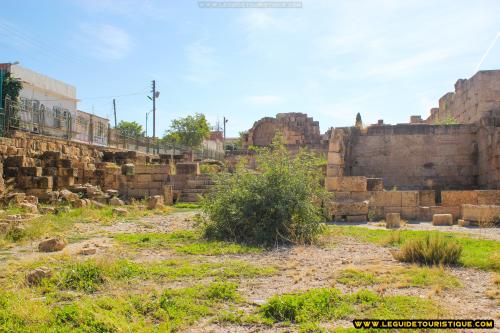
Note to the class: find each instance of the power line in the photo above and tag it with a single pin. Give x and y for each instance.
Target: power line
(487, 51)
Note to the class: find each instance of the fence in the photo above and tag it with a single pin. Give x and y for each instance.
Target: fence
(32, 117)
(160, 147)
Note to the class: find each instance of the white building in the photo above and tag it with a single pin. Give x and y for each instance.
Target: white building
(47, 106)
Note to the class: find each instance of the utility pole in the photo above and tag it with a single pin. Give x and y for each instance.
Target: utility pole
(154, 111)
(114, 111)
(224, 141)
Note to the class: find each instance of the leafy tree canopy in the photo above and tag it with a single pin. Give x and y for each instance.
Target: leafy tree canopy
(11, 86)
(189, 131)
(130, 128)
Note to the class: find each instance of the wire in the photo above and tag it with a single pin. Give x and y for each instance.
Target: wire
(488, 51)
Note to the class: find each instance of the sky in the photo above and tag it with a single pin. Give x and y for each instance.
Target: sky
(386, 59)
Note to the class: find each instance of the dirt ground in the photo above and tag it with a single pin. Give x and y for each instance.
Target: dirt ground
(299, 268)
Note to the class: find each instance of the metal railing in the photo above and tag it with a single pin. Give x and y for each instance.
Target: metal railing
(59, 123)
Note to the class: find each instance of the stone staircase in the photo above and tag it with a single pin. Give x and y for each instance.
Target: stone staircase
(195, 187)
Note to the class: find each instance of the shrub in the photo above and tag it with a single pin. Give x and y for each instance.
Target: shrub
(278, 203)
(430, 250)
(85, 276)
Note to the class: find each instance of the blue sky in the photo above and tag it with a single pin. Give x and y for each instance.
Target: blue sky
(386, 59)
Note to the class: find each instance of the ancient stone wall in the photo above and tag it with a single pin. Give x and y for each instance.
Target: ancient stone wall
(472, 99)
(415, 156)
(298, 130)
(488, 139)
(420, 156)
(41, 166)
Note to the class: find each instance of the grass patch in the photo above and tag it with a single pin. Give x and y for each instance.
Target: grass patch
(59, 224)
(322, 304)
(430, 250)
(479, 253)
(402, 277)
(168, 311)
(354, 277)
(188, 242)
(187, 205)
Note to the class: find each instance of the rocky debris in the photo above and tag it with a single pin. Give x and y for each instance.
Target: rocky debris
(155, 202)
(112, 193)
(97, 204)
(68, 196)
(31, 199)
(29, 207)
(36, 276)
(15, 198)
(87, 251)
(52, 245)
(14, 217)
(81, 203)
(116, 202)
(47, 210)
(120, 211)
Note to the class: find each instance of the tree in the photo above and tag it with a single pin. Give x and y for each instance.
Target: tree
(11, 86)
(359, 122)
(280, 203)
(189, 131)
(130, 128)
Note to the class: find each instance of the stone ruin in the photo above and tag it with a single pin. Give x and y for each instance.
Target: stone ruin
(419, 170)
(298, 131)
(51, 170)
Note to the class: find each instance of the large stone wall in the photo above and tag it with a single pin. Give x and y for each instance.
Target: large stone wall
(488, 139)
(415, 156)
(472, 99)
(420, 156)
(298, 130)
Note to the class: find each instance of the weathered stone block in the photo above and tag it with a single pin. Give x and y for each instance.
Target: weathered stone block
(453, 210)
(30, 171)
(480, 213)
(386, 199)
(375, 213)
(356, 218)
(409, 213)
(335, 158)
(348, 208)
(168, 194)
(143, 178)
(341, 196)
(191, 168)
(392, 220)
(374, 184)
(457, 198)
(333, 170)
(442, 219)
(424, 213)
(488, 197)
(427, 198)
(351, 184)
(409, 198)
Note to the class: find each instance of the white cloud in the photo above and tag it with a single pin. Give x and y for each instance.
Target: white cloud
(264, 99)
(104, 41)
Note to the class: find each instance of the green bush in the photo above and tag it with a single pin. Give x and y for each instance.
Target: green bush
(430, 250)
(278, 203)
(84, 276)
